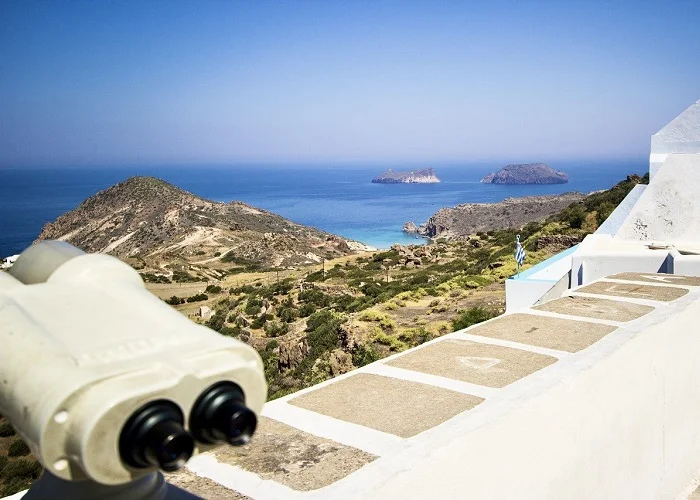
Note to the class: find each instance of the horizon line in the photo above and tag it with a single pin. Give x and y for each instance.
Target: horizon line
(317, 163)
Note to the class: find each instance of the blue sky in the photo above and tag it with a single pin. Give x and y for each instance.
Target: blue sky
(119, 82)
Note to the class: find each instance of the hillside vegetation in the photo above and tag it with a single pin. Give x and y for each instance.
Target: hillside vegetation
(347, 314)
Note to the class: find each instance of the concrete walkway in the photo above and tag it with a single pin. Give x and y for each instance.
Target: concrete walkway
(346, 437)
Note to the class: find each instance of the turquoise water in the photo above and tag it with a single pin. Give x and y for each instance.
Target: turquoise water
(337, 199)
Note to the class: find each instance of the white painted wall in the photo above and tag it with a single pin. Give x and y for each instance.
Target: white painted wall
(686, 265)
(521, 293)
(587, 268)
(681, 135)
(669, 207)
(617, 217)
(598, 256)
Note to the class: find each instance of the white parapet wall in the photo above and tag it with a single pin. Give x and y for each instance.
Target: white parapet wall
(532, 284)
(522, 293)
(602, 255)
(688, 265)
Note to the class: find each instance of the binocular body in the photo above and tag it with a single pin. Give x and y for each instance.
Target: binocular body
(104, 380)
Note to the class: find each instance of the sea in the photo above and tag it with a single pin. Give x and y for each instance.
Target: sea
(339, 199)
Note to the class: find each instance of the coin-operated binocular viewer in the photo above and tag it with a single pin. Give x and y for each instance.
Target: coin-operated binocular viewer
(107, 384)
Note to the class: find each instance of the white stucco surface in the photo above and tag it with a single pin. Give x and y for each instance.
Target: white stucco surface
(687, 265)
(524, 293)
(668, 208)
(614, 221)
(681, 135)
(601, 255)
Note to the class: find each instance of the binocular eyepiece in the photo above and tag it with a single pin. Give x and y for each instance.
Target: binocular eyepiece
(220, 414)
(155, 436)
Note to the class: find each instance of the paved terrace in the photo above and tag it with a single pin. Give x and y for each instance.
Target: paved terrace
(583, 396)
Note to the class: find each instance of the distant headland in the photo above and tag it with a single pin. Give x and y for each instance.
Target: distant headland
(526, 173)
(423, 176)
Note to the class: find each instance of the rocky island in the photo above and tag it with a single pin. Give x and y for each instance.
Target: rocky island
(423, 176)
(526, 173)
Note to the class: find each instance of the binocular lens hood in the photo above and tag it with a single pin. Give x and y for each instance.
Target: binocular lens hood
(220, 415)
(155, 436)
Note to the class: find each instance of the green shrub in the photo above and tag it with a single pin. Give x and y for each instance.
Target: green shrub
(6, 430)
(574, 215)
(323, 329)
(276, 328)
(216, 322)
(253, 306)
(175, 300)
(364, 354)
(315, 297)
(604, 211)
(471, 317)
(197, 298)
(213, 289)
(415, 336)
(287, 314)
(18, 448)
(231, 332)
(390, 341)
(183, 277)
(260, 321)
(153, 278)
(307, 310)
(384, 321)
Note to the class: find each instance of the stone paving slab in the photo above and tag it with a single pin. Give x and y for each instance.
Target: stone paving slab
(661, 279)
(695, 495)
(630, 290)
(483, 364)
(202, 487)
(387, 404)
(590, 307)
(294, 458)
(552, 333)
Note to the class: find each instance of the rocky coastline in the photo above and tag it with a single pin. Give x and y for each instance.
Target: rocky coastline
(461, 221)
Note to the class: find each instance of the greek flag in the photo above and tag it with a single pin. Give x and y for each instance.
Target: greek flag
(519, 251)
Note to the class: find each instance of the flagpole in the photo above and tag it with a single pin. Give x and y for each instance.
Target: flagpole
(518, 249)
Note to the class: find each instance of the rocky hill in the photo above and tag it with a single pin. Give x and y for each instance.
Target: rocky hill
(424, 176)
(463, 220)
(526, 173)
(151, 221)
